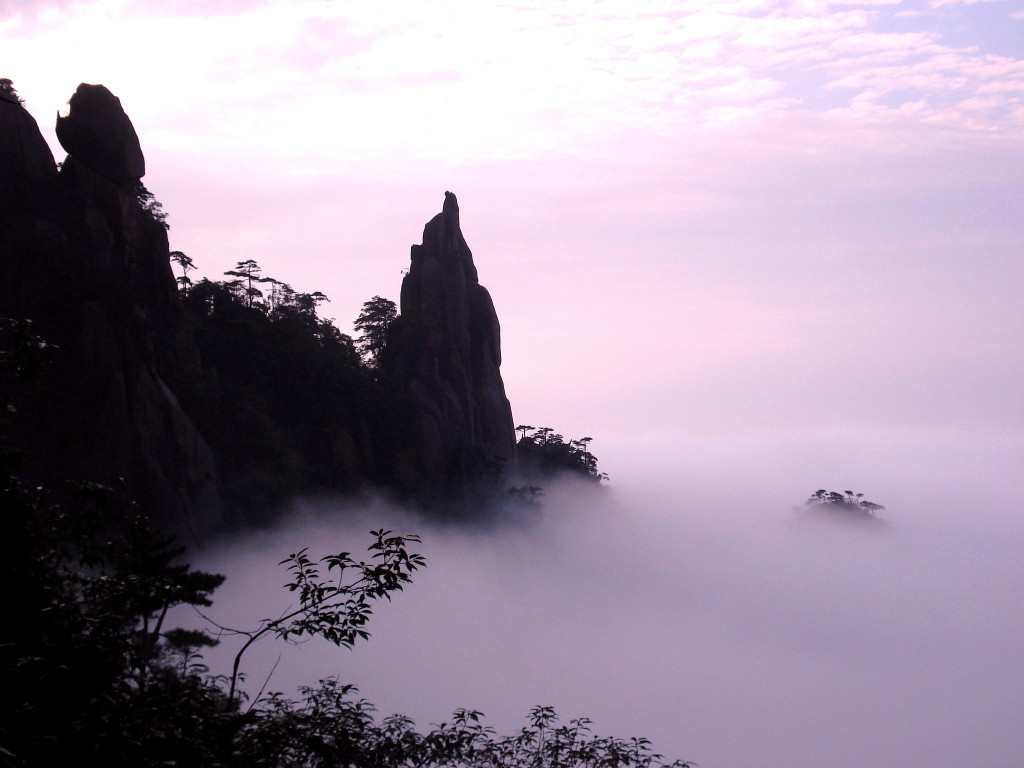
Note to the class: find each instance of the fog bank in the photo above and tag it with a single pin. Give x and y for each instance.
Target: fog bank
(702, 614)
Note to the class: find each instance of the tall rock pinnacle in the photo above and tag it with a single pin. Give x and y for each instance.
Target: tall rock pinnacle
(444, 352)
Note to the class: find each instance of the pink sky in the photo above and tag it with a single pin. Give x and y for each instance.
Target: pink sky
(751, 247)
(819, 198)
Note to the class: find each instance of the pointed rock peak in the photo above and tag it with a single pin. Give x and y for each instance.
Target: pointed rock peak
(450, 216)
(98, 133)
(445, 352)
(443, 240)
(451, 205)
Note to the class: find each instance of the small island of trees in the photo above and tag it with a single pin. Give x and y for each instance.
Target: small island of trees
(846, 505)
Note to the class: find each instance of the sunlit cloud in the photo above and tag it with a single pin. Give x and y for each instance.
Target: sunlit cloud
(461, 81)
(943, 3)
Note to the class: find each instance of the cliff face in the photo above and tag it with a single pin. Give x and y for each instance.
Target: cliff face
(444, 356)
(81, 257)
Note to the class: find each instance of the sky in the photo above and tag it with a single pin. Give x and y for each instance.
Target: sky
(760, 215)
(753, 248)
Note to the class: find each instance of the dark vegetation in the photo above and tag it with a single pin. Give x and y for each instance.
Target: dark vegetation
(544, 453)
(7, 90)
(147, 201)
(848, 505)
(286, 397)
(373, 323)
(93, 676)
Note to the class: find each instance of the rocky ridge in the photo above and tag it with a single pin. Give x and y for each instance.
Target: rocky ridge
(82, 256)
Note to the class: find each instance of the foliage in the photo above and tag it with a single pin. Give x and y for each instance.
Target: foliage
(330, 727)
(23, 356)
(184, 644)
(150, 205)
(543, 452)
(284, 396)
(91, 678)
(337, 611)
(7, 88)
(187, 265)
(250, 272)
(847, 501)
(90, 675)
(290, 405)
(373, 323)
(85, 673)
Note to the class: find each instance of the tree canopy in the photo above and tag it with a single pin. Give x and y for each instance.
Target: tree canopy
(847, 502)
(7, 90)
(543, 452)
(283, 396)
(373, 322)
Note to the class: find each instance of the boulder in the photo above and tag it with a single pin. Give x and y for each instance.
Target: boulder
(98, 133)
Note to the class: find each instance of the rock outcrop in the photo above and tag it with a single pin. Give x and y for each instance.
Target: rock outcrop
(444, 356)
(84, 255)
(81, 257)
(28, 177)
(99, 134)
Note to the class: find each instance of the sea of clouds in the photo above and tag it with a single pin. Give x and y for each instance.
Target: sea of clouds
(687, 604)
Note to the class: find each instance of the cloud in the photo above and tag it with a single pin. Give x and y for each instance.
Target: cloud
(484, 80)
(686, 602)
(908, 43)
(945, 3)
(947, 79)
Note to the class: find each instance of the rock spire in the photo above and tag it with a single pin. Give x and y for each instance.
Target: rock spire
(444, 353)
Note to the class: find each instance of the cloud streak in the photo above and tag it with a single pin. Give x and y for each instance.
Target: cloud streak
(515, 79)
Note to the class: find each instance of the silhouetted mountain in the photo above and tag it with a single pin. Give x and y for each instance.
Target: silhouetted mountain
(217, 404)
(82, 258)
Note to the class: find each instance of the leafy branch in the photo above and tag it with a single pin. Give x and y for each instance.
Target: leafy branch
(337, 609)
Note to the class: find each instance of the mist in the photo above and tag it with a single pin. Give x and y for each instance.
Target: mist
(689, 604)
